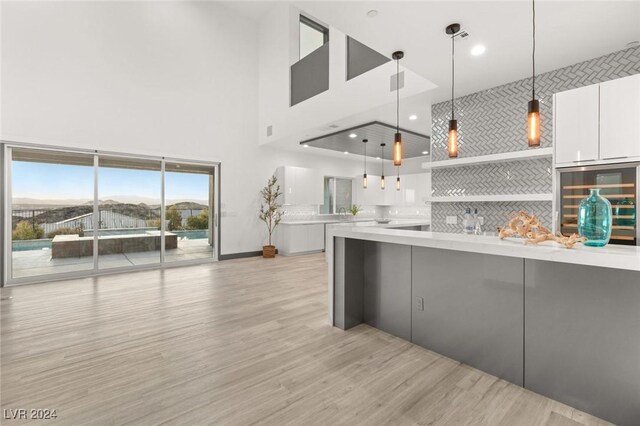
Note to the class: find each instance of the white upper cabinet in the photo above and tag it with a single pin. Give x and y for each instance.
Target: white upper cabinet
(300, 185)
(620, 118)
(598, 124)
(576, 125)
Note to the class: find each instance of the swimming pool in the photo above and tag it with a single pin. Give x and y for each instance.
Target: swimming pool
(24, 245)
(45, 244)
(192, 234)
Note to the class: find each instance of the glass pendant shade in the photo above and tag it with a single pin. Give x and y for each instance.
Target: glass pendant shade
(398, 184)
(533, 123)
(364, 181)
(452, 143)
(397, 150)
(381, 182)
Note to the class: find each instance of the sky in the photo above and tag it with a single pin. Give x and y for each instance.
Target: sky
(46, 181)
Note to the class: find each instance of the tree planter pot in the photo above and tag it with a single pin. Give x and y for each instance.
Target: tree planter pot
(268, 251)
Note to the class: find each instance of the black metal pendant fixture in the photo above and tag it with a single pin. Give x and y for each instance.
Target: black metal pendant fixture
(382, 145)
(452, 137)
(364, 175)
(397, 140)
(533, 114)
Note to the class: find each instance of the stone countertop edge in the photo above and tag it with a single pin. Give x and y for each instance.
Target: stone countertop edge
(610, 256)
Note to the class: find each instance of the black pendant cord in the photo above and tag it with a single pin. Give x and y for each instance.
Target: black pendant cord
(398, 95)
(533, 55)
(453, 72)
(382, 162)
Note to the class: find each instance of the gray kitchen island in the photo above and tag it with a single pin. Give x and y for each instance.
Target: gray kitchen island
(564, 323)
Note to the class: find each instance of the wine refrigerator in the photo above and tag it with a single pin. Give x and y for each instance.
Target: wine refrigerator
(617, 183)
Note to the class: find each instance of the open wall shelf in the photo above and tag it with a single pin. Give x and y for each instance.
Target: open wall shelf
(491, 198)
(493, 158)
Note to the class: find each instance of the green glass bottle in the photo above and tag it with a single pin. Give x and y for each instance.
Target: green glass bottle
(594, 219)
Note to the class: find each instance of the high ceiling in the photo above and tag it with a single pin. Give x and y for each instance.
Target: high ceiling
(567, 32)
(350, 141)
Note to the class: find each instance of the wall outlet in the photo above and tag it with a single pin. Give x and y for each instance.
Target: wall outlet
(419, 303)
(452, 220)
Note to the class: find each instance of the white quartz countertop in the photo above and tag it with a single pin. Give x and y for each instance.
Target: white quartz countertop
(355, 222)
(610, 256)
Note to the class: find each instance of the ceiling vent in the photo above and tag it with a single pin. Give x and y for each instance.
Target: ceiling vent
(328, 128)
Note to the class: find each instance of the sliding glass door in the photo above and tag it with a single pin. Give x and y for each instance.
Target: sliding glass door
(189, 207)
(51, 211)
(129, 203)
(73, 213)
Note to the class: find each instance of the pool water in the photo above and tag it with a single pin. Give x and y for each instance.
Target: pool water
(192, 235)
(45, 244)
(24, 245)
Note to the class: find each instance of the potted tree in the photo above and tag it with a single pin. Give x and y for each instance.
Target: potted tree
(270, 212)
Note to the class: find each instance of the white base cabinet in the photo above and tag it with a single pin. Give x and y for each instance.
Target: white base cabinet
(300, 238)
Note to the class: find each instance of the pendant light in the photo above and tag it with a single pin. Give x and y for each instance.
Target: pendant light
(397, 140)
(364, 175)
(452, 139)
(398, 180)
(533, 115)
(382, 145)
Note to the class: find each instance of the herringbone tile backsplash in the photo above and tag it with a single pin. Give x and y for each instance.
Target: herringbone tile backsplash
(494, 121)
(517, 177)
(494, 214)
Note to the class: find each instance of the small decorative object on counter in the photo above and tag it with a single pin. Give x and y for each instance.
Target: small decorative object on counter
(468, 225)
(477, 229)
(594, 219)
(355, 209)
(270, 212)
(525, 225)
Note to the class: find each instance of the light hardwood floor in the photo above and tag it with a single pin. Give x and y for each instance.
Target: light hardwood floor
(238, 342)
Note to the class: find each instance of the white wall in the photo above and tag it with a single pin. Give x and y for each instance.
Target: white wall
(344, 101)
(176, 79)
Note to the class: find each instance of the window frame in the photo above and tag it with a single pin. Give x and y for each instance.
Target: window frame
(334, 187)
(7, 147)
(305, 20)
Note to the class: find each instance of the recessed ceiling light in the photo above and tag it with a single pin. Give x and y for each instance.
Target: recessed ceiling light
(377, 158)
(372, 13)
(305, 145)
(353, 135)
(478, 49)
(413, 117)
(425, 152)
(346, 152)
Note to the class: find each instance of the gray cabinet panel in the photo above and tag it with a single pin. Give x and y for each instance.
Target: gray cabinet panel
(473, 309)
(387, 288)
(582, 338)
(348, 282)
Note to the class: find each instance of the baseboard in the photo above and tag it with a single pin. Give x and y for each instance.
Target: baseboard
(231, 256)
